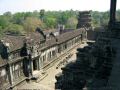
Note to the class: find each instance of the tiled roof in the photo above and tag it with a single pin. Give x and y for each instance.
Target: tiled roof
(16, 42)
(13, 42)
(69, 35)
(62, 38)
(37, 37)
(49, 31)
(49, 43)
(2, 62)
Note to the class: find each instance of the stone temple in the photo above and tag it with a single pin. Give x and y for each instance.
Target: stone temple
(23, 57)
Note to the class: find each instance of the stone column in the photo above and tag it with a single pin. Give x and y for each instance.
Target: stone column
(31, 65)
(10, 74)
(85, 35)
(51, 55)
(112, 11)
(47, 56)
(38, 63)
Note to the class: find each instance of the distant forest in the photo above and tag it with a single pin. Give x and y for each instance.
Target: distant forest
(23, 22)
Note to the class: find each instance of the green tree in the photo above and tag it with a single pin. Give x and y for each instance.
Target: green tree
(18, 18)
(35, 14)
(31, 23)
(51, 22)
(96, 19)
(14, 29)
(3, 22)
(1, 30)
(28, 14)
(62, 19)
(72, 23)
(9, 14)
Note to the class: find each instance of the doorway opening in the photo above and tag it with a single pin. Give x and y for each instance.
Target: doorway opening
(34, 65)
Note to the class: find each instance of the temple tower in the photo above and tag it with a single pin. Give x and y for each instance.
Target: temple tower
(84, 19)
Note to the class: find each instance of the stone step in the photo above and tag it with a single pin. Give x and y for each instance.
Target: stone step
(41, 78)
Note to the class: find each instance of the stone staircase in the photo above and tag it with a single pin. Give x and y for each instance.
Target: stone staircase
(38, 76)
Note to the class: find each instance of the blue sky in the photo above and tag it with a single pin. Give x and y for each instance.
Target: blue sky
(31, 5)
